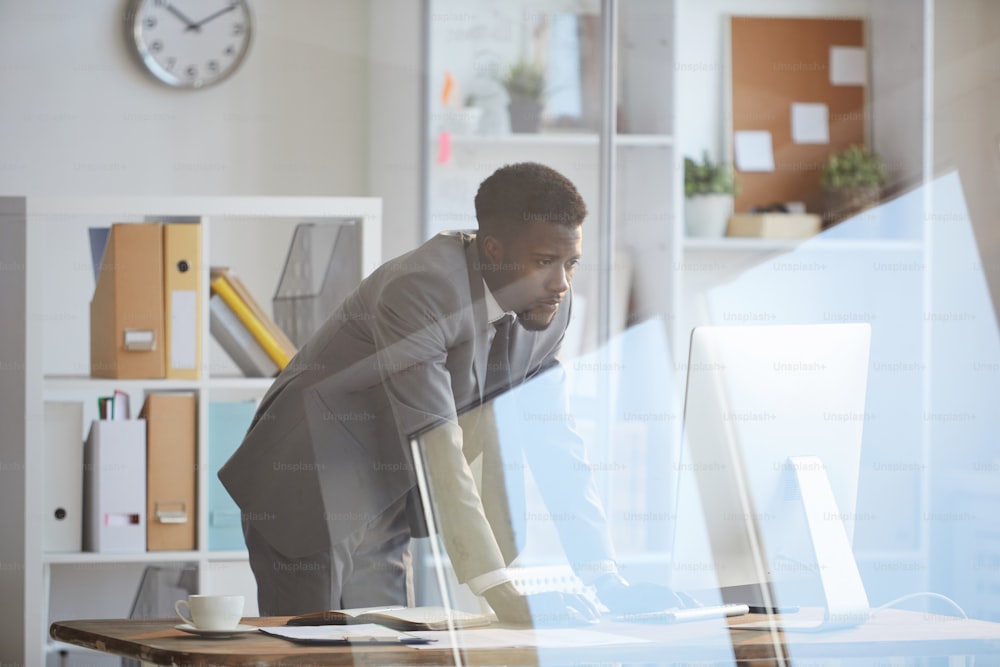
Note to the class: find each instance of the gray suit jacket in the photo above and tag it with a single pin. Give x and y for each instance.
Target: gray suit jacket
(328, 449)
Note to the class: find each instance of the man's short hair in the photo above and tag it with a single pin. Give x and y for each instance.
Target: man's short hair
(517, 194)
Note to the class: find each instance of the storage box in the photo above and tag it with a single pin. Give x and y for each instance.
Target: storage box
(171, 470)
(774, 225)
(126, 313)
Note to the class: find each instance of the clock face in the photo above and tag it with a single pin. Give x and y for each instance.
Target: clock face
(190, 43)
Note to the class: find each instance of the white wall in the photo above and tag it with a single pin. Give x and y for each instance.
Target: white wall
(967, 116)
(396, 160)
(896, 94)
(701, 68)
(78, 116)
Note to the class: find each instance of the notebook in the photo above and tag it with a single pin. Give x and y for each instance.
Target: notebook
(399, 618)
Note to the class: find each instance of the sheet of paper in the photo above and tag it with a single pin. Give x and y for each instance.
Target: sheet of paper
(754, 150)
(810, 123)
(848, 66)
(444, 148)
(528, 638)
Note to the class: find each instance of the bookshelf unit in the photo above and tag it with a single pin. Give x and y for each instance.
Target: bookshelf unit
(47, 285)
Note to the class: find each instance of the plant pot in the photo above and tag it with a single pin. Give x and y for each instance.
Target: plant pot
(525, 114)
(706, 216)
(845, 202)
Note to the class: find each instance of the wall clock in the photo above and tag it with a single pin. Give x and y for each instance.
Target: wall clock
(189, 43)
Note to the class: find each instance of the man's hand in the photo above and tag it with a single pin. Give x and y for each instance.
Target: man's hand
(540, 609)
(620, 597)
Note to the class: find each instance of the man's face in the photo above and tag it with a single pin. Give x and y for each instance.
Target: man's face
(531, 273)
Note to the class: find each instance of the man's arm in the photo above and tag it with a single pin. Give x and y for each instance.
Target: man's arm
(417, 320)
(457, 507)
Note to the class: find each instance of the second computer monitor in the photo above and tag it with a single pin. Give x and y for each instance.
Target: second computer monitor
(770, 412)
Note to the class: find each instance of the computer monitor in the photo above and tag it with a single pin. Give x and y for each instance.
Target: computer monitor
(773, 423)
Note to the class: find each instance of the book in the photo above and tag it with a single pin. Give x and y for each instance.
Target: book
(398, 618)
(269, 323)
(237, 340)
(221, 286)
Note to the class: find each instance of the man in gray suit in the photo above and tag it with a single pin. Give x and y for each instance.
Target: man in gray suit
(324, 476)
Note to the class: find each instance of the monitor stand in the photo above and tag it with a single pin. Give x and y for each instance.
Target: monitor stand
(845, 600)
(753, 595)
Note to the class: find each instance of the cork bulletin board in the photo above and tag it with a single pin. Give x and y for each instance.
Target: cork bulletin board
(802, 81)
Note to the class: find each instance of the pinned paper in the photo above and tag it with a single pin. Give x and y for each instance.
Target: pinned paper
(444, 148)
(447, 89)
(848, 66)
(754, 150)
(810, 123)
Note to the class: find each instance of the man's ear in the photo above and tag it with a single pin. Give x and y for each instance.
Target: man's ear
(493, 250)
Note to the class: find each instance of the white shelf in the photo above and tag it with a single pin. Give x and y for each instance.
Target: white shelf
(84, 383)
(86, 557)
(642, 140)
(215, 556)
(739, 244)
(533, 139)
(558, 139)
(227, 207)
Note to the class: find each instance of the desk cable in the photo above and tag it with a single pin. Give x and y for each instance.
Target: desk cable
(936, 596)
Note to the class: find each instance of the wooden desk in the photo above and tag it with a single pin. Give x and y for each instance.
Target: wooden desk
(890, 633)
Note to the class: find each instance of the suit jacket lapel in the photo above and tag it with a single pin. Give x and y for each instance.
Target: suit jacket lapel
(480, 342)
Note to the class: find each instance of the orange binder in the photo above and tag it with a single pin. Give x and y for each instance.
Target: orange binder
(182, 299)
(171, 470)
(126, 313)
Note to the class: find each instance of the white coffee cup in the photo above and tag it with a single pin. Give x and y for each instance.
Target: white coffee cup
(211, 612)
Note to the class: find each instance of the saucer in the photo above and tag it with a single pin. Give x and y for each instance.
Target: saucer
(216, 634)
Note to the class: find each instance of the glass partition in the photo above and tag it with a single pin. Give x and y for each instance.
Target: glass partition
(568, 491)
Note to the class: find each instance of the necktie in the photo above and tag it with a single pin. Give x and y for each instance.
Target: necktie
(498, 375)
(502, 494)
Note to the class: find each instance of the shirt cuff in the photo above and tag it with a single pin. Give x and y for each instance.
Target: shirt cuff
(592, 571)
(483, 582)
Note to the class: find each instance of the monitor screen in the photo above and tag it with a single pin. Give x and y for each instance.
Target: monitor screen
(759, 401)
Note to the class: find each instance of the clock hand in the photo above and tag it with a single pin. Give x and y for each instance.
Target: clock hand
(217, 14)
(190, 24)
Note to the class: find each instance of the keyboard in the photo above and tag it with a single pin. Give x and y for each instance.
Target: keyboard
(686, 614)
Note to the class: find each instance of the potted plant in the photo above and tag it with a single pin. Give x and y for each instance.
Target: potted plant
(709, 189)
(852, 179)
(525, 84)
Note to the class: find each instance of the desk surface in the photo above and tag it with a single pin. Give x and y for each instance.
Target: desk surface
(889, 633)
